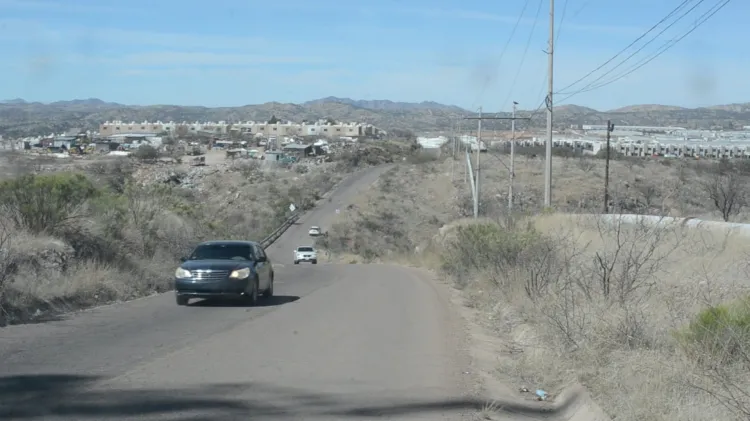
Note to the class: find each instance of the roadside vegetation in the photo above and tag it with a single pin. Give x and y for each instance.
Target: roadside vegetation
(74, 236)
(654, 322)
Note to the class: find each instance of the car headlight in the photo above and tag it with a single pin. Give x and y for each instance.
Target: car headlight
(240, 273)
(182, 273)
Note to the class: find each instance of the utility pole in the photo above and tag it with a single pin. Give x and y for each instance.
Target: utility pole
(453, 145)
(479, 151)
(610, 129)
(453, 140)
(550, 92)
(479, 148)
(512, 159)
(461, 150)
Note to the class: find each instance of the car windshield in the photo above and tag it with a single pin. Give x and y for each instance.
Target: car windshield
(304, 249)
(314, 228)
(222, 252)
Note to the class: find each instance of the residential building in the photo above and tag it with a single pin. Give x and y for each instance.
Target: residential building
(117, 127)
(321, 128)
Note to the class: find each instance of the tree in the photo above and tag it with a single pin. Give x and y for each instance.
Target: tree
(273, 120)
(403, 134)
(726, 190)
(146, 152)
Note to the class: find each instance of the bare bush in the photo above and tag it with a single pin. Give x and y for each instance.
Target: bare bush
(586, 164)
(631, 259)
(727, 192)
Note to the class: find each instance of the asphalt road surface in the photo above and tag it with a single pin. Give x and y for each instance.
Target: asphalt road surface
(337, 342)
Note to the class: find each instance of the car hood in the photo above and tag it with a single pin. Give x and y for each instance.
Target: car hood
(215, 264)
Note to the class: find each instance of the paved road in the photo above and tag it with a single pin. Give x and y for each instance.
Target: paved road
(349, 342)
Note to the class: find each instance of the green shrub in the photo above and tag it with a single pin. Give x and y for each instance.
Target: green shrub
(45, 203)
(146, 152)
(478, 246)
(719, 334)
(487, 247)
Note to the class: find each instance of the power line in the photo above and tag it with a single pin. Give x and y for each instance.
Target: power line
(512, 33)
(525, 52)
(665, 47)
(562, 19)
(611, 59)
(638, 50)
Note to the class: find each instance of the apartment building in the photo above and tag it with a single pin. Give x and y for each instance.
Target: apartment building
(323, 128)
(116, 127)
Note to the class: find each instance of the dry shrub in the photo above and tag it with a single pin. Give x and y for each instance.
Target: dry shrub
(612, 305)
(393, 219)
(71, 240)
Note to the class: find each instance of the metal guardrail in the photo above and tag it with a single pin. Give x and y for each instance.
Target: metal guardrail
(278, 232)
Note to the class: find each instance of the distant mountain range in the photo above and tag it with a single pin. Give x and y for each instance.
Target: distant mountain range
(19, 117)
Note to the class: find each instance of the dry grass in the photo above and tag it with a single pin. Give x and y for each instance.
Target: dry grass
(601, 304)
(646, 318)
(373, 227)
(637, 185)
(113, 229)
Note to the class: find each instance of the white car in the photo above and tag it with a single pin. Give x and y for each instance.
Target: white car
(305, 254)
(314, 231)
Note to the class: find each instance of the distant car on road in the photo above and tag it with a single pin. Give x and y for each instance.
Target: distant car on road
(224, 269)
(314, 231)
(305, 254)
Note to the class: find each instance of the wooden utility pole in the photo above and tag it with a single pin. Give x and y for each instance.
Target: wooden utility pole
(479, 148)
(479, 151)
(512, 159)
(610, 129)
(550, 91)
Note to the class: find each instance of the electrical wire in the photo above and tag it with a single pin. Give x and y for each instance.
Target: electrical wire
(562, 20)
(611, 59)
(510, 38)
(665, 47)
(523, 57)
(557, 37)
(635, 52)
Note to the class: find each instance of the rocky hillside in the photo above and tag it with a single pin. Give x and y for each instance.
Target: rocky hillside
(18, 117)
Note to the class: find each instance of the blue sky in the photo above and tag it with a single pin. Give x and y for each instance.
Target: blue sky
(233, 52)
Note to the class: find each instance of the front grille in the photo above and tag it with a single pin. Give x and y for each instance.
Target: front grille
(210, 275)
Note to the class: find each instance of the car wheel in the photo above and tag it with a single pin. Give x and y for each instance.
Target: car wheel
(252, 298)
(296, 262)
(269, 292)
(181, 300)
(315, 262)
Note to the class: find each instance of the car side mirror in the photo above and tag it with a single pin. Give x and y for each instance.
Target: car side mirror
(261, 259)
(183, 259)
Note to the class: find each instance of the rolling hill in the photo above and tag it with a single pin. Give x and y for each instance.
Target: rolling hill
(21, 118)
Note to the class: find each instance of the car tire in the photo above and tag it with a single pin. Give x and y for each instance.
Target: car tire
(269, 292)
(296, 262)
(182, 300)
(252, 298)
(315, 262)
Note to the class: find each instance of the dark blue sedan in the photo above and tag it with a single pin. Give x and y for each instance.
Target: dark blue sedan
(224, 269)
